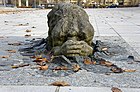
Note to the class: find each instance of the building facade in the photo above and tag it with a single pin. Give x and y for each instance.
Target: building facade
(28, 3)
(4, 2)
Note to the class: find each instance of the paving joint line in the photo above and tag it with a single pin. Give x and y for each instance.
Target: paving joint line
(57, 89)
(96, 25)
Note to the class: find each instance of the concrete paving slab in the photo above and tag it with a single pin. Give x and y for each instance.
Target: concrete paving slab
(131, 39)
(27, 89)
(95, 89)
(61, 89)
(137, 49)
(103, 34)
(134, 44)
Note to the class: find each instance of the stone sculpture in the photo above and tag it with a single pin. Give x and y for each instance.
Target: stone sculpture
(69, 47)
(70, 32)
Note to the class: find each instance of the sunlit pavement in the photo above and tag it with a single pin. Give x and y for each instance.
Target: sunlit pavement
(122, 22)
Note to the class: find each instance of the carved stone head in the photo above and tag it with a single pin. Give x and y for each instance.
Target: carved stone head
(69, 26)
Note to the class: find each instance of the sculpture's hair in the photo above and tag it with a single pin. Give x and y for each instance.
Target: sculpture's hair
(65, 10)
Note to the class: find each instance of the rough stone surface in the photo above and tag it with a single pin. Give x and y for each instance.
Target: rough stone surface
(70, 32)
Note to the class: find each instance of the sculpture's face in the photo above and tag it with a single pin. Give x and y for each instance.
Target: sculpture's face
(69, 22)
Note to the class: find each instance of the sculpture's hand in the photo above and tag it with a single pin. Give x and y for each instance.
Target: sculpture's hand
(74, 48)
(86, 49)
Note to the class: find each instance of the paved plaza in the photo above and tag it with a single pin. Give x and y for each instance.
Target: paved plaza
(122, 23)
